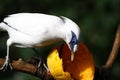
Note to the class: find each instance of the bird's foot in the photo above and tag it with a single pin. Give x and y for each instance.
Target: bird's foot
(6, 65)
(42, 63)
(39, 62)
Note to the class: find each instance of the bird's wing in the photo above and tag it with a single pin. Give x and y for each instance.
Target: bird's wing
(33, 23)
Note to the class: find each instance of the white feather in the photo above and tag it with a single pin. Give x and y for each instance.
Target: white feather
(34, 29)
(36, 23)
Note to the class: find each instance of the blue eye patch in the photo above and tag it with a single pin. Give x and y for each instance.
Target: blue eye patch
(73, 41)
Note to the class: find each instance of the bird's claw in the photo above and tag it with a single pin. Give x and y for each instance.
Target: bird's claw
(38, 62)
(5, 66)
(41, 62)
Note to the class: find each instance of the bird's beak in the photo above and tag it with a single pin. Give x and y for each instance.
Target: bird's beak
(73, 52)
(72, 56)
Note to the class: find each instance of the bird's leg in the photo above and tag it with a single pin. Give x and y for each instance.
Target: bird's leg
(7, 61)
(41, 61)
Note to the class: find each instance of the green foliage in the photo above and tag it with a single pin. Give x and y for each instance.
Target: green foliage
(98, 20)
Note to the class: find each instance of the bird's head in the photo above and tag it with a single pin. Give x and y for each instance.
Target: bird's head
(72, 36)
(73, 43)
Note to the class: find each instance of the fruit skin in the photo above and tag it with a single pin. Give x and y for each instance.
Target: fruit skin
(82, 67)
(55, 65)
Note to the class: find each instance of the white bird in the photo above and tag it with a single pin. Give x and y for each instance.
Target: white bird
(36, 29)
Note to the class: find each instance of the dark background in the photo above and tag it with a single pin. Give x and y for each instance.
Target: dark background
(98, 20)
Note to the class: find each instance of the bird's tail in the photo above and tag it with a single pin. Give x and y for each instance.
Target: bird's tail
(3, 26)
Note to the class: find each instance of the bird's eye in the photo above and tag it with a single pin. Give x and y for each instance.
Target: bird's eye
(74, 42)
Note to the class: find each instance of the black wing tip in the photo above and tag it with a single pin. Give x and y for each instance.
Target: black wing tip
(9, 25)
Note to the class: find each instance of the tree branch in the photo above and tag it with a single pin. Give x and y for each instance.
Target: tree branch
(114, 51)
(103, 72)
(30, 68)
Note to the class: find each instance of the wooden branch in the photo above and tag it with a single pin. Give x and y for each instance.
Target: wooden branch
(114, 51)
(21, 66)
(103, 72)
